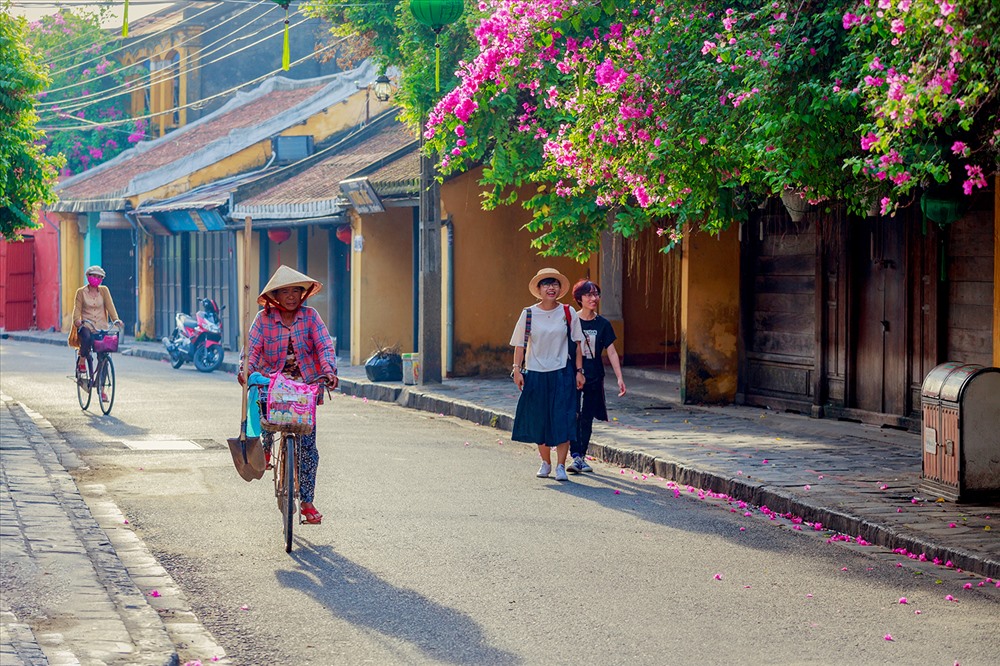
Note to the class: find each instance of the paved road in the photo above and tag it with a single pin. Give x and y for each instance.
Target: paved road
(440, 546)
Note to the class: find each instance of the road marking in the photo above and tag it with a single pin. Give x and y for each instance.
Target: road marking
(161, 445)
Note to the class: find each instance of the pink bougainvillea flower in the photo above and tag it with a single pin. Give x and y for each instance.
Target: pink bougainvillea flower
(904, 600)
(618, 492)
(718, 576)
(883, 487)
(888, 637)
(126, 522)
(244, 607)
(917, 612)
(843, 568)
(743, 529)
(967, 586)
(808, 487)
(899, 565)
(809, 596)
(948, 597)
(764, 461)
(952, 525)
(154, 593)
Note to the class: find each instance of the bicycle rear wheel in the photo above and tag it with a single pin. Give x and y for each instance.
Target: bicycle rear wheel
(106, 384)
(288, 510)
(82, 388)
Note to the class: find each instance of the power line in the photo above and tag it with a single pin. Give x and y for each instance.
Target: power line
(129, 86)
(117, 123)
(125, 48)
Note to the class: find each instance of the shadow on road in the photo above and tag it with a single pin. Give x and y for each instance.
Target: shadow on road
(356, 595)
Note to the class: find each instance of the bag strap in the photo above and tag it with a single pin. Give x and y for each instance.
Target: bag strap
(527, 326)
(569, 332)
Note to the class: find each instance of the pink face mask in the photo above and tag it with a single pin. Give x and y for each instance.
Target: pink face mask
(94, 280)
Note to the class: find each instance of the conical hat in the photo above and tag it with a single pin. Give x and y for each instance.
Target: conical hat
(288, 277)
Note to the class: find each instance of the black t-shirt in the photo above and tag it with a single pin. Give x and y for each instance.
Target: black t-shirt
(598, 336)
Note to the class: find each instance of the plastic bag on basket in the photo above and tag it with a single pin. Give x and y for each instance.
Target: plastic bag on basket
(290, 402)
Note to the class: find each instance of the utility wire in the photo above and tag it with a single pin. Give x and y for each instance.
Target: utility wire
(160, 33)
(130, 86)
(116, 123)
(173, 46)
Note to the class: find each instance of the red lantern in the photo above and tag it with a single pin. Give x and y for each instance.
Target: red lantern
(344, 234)
(279, 235)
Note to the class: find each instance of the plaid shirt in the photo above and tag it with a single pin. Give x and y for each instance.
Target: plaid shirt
(268, 342)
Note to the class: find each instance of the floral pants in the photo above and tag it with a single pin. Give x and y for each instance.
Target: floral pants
(308, 462)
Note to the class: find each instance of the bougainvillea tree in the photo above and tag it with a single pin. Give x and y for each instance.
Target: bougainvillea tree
(85, 109)
(27, 174)
(687, 113)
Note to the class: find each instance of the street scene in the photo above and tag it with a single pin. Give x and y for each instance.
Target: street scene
(440, 545)
(499, 332)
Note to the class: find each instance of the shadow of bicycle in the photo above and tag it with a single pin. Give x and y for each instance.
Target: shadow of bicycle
(357, 595)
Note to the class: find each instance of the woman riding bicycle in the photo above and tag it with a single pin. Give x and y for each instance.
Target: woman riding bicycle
(289, 337)
(93, 311)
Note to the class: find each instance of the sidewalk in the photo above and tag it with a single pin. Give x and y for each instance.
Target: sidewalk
(858, 480)
(76, 581)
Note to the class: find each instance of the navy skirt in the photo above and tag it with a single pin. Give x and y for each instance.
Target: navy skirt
(546, 410)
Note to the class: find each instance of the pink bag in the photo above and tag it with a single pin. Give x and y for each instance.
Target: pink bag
(290, 402)
(105, 342)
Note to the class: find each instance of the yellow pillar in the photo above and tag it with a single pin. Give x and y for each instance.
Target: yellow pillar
(144, 280)
(710, 308)
(996, 271)
(71, 275)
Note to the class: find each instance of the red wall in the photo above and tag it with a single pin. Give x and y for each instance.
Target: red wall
(16, 309)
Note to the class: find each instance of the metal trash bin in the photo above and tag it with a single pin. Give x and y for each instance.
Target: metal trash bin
(960, 405)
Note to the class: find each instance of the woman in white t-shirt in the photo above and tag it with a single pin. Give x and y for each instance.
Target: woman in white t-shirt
(548, 372)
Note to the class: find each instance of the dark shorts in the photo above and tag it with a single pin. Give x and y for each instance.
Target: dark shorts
(546, 409)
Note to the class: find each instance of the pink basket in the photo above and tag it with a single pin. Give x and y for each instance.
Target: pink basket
(105, 342)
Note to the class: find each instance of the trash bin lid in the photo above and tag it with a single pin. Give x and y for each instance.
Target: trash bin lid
(946, 380)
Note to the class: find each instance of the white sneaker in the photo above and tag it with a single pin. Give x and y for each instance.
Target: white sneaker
(581, 464)
(574, 467)
(561, 473)
(545, 470)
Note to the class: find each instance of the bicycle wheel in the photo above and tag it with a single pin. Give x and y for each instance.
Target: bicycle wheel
(288, 510)
(106, 384)
(83, 388)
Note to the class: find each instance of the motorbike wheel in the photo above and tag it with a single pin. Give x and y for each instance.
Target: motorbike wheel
(176, 358)
(207, 359)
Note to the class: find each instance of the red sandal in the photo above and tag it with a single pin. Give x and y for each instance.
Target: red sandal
(310, 515)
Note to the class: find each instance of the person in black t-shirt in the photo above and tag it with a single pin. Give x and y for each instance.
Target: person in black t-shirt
(598, 336)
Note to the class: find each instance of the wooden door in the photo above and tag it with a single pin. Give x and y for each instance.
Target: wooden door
(878, 248)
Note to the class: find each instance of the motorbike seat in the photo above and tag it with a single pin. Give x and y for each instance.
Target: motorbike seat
(190, 323)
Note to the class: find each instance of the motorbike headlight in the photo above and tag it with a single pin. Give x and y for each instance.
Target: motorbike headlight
(211, 328)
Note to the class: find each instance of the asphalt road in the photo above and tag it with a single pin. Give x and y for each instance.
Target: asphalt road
(439, 545)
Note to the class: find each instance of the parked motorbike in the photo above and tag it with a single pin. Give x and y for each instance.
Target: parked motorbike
(197, 340)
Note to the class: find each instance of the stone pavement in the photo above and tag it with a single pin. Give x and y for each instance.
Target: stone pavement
(76, 581)
(859, 480)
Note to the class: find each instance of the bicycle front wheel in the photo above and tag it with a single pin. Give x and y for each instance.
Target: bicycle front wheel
(106, 384)
(288, 510)
(83, 388)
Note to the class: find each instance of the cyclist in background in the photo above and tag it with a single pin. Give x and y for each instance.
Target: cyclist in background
(290, 338)
(93, 310)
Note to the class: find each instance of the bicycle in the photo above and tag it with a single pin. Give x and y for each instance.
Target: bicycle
(103, 376)
(285, 463)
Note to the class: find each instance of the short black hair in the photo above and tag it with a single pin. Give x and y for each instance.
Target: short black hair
(585, 286)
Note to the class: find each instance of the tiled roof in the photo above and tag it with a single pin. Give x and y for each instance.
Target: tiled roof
(315, 192)
(401, 177)
(246, 120)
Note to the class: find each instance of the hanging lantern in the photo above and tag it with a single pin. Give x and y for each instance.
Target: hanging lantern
(436, 14)
(285, 58)
(279, 235)
(344, 234)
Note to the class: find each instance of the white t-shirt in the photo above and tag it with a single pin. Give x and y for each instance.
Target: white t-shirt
(548, 348)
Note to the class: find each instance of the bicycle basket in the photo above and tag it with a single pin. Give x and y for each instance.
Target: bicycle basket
(291, 406)
(105, 342)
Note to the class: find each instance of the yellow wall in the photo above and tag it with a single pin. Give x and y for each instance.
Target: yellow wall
(146, 314)
(382, 283)
(710, 307)
(316, 257)
(71, 276)
(494, 261)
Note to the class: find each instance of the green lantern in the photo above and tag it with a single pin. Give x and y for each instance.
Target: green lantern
(436, 14)
(285, 59)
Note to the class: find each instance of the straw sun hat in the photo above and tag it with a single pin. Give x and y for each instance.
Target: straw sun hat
(546, 273)
(288, 277)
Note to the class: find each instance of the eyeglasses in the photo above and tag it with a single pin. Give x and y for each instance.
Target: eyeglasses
(546, 285)
(591, 294)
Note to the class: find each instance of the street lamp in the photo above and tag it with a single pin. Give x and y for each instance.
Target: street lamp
(382, 88)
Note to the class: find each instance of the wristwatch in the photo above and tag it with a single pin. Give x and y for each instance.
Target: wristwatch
(580, 370)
